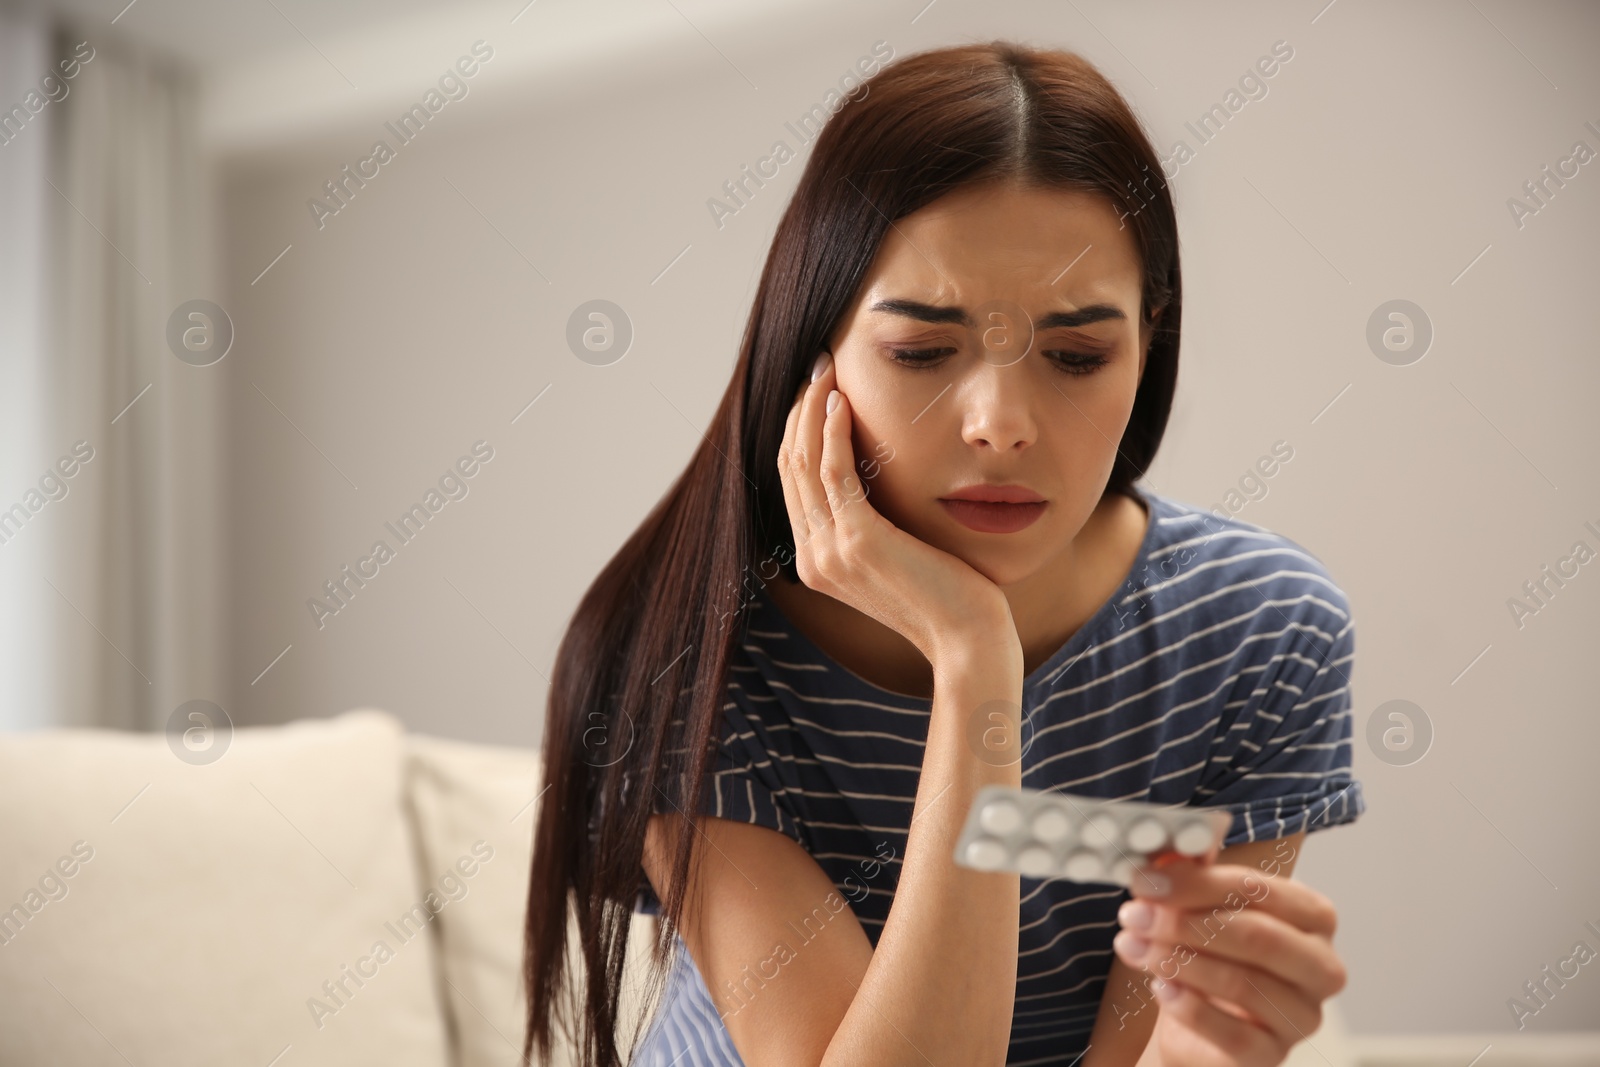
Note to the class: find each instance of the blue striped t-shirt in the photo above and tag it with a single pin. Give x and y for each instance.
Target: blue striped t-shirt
(1218, 675)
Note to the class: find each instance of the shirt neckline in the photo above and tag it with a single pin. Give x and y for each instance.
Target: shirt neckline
(1050, 666)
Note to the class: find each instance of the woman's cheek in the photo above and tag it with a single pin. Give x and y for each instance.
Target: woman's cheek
(881, 469)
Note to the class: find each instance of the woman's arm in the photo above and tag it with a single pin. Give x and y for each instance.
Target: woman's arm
(787, 964)
(942, 984)
(1126, 1019)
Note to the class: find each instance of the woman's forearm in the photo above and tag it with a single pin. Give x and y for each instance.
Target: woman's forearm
(942, 983)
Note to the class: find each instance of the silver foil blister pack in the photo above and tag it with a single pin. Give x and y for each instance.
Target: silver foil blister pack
(1039, 833)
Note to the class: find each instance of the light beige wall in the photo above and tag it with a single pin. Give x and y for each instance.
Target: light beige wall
(429, 312)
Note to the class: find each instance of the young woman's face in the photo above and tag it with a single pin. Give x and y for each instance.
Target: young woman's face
(949, 390)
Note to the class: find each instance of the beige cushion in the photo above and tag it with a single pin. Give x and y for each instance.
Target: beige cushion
(210, 903)
(464, 794)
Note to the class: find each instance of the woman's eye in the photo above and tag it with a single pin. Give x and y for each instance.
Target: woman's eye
(1071, 363)
(1080, 364)
(919, 357)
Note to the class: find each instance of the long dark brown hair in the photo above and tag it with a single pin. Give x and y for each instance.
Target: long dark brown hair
(639, 678)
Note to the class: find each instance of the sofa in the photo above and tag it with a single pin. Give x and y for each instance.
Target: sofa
(326, 892)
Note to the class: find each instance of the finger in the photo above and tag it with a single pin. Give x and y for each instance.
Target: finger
(1240, 931)
(1205, 886)
(798, 523)
(805, 454)
(1264, 998)
(837, 470)
(1199, 1032)
(845, 491)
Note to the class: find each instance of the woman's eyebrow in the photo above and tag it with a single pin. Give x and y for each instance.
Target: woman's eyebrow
(913, 309)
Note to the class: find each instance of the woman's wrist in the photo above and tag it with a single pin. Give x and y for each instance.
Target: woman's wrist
(992, 651)
(986, 659)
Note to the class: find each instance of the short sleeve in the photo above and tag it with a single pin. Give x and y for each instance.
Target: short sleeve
(751, 775)
(1283, 764)
(751, 778)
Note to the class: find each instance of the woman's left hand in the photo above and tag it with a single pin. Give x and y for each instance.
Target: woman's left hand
(1245, 962)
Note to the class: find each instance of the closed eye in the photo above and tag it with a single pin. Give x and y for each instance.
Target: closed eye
(928, 358)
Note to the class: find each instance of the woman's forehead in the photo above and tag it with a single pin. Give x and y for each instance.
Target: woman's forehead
(1077, 255)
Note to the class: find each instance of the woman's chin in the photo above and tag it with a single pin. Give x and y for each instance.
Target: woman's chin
(1000, 564)
(1002, 573)
(1004, 561)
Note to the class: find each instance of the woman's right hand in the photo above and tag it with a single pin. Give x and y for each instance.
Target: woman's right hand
(844, 547)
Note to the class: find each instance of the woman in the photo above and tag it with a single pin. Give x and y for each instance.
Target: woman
(910, 561)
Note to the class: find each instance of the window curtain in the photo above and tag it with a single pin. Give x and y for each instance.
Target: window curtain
(120, 577)
(25, 689)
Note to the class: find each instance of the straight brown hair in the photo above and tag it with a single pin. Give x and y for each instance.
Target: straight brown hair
(639, 683)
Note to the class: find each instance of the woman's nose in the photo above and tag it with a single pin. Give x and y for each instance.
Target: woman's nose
(997, 406)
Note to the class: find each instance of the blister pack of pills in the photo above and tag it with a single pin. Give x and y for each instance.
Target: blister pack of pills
(1043, 834)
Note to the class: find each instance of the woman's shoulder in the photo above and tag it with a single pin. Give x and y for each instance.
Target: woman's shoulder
(1200, 553)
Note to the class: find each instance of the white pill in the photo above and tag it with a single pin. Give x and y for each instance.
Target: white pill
(1000, 817)
(1147, 834)
(986, 854)
(1084, 865)
(1051, 824)
(1036, 861)
(1123, 870)
(1193, 837)
(1101, 831)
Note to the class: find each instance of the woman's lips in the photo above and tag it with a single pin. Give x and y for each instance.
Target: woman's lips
(987, 517)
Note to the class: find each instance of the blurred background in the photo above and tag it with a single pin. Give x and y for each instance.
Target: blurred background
(239, 344)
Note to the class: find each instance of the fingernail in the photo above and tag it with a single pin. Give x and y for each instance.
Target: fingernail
(833, 400)
(1131, 945)
(819, 366)
(1169, 992)
(1136, 915)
